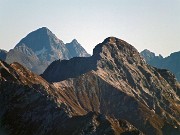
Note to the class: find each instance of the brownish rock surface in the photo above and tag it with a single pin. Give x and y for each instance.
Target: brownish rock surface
(29, 105)
(117, 82)
(112, 92)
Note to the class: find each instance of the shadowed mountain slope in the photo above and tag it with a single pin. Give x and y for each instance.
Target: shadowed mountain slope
(117, 82)
(31, 106)
(112, 92)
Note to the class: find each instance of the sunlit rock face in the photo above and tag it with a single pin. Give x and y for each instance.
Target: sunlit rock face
(116, 81)
(112, 92)
(29, 102)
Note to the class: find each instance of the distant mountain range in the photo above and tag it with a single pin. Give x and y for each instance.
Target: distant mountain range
(3, 54)
(41, 47)
(113, 92)
(171, 62)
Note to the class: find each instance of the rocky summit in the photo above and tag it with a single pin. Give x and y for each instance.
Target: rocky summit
(117, 82)
(112, 92)
(41, 47)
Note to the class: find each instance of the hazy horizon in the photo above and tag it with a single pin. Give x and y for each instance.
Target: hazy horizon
(152, 25)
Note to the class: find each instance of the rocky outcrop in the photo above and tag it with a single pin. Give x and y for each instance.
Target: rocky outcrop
(117, 82)
(112, 92)
(171, 62)
(41, 47)
(31, 106)
(98, 124)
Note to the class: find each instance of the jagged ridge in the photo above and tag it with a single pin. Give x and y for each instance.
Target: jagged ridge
(30, 105)
(171, 62)
(115, 83)
(119, 83)
(41, 47)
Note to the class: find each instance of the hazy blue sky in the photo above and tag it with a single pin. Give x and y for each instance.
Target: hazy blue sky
(151, 24)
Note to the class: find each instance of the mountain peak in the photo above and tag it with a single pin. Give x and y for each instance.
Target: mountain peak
(43, 30)
(150, 56)
(76, 50)
(112, 52)
(118, 73)
(113, 47)
(148, 52)
(74, 41)
(41, 47)
(110, 40)
(40, 39)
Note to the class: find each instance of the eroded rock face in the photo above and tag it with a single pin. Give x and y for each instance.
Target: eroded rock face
(119, 83)
(31, 106)
(112, 92)
(40, 48)
(98, 124)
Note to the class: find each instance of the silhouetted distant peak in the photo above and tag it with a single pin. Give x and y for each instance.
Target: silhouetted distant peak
(76, 50)
(41, 47)
(39, 39)
(150, 54)
(171, 62)
(46, 46)
(74, 41)
(44, 30)
(146, 50)
(176, 54)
